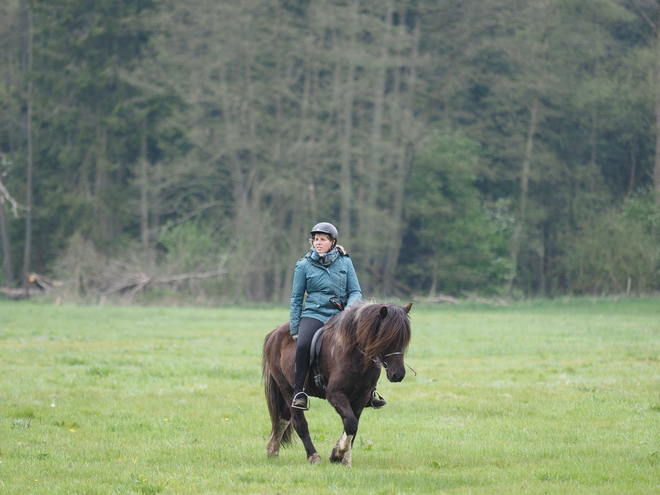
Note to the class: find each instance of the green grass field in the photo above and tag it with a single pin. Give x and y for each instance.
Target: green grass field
(543, 397)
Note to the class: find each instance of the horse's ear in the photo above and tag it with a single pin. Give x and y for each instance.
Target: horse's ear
(407, 307)
(383, 312)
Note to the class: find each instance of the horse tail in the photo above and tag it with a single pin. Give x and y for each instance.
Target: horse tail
(275, 400)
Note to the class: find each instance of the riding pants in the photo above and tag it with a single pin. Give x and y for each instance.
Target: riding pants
(306, 330)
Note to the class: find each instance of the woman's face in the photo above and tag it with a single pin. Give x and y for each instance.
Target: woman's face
(322, 243)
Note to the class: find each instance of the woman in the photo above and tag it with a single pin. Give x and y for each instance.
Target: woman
(327, 276)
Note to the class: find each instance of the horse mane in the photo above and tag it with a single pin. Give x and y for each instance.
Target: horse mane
(373, 328)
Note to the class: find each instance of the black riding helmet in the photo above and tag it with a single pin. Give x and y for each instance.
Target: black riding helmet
(325, 228)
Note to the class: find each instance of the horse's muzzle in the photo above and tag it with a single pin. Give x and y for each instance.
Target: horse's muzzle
(396, 375)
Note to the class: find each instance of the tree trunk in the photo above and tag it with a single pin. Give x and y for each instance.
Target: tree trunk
(4, 223)
(105, 221)
(27, 253)
(402, 167)
(370, 222)
(248, 218)
(347, 130)
(633, 169)
(656, 166)
(524, 187)
(144, 190)
(259, 220)
(655, 26)
(279, 210)
(6, 249)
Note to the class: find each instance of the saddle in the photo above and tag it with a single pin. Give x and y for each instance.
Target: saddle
(314, 355)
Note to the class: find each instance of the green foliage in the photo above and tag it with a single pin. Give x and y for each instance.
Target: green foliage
(451, 243)
(189, 247)
(643, 209)
(79, 267)
(183, 251)
(541, 397)
(257, 119)
(85, 158)
(618, 252)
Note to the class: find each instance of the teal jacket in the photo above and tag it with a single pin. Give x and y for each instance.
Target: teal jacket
(322, 282)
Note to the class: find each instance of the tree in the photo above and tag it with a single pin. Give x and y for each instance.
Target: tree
(11, 48)
(525, 68)
(650, 13)
(450, 244)
(248, 122)
(84, 149)
(27, 252)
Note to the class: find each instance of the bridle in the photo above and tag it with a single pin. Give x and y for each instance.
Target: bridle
(380, 360)
(381, 363)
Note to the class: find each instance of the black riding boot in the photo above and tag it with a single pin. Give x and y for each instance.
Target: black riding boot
(301, 369)
(306, 330)
(376, 400)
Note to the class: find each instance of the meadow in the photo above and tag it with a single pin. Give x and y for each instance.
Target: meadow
(540, 397)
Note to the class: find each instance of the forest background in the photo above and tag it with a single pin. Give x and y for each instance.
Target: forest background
(491, 147)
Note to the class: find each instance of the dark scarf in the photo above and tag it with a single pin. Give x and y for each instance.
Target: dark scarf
(325, 259)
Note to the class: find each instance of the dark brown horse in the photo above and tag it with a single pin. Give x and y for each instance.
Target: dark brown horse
(357, 343)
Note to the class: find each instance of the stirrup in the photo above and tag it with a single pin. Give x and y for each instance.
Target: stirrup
(377, 401)
(300, 401)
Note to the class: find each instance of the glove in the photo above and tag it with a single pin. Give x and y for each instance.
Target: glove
(295, 337)
(337, 303)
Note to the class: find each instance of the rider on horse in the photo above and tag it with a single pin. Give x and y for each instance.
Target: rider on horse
(326, 274)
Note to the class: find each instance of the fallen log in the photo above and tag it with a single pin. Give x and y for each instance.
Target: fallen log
(132, 284)
(15, 294)
(440, 298)
(44, 283)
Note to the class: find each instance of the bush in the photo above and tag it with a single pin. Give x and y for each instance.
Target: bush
(617, 252)
(186, 264)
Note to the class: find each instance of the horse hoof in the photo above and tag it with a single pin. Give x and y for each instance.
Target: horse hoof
(272, 453)
(334, 457)
(314, 458)
(346, 461)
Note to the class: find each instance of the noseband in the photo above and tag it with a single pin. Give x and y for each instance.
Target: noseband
(381, 363)
(380, 360)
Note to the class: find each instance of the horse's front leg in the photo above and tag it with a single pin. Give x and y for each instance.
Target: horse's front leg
(343, 448)
(299, 423)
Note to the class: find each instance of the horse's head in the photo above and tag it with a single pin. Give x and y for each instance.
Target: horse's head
(392, 339)
(380, 332)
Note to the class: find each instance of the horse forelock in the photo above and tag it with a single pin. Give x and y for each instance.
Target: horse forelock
(393, 333)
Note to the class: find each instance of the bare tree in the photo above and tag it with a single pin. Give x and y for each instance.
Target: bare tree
(519, 229)
(6, 198)
(27, 253)
(407, 134)
(654, 24)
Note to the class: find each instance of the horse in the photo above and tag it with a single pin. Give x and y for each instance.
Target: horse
(357, 343)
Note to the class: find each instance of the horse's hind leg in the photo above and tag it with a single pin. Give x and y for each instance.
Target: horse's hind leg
(273, 447)
(300, 425)
(280, 416)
